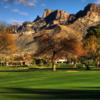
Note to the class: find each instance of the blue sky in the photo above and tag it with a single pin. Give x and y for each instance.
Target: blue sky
(12, 11)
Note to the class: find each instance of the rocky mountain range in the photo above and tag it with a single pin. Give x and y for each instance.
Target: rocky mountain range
(56, 24)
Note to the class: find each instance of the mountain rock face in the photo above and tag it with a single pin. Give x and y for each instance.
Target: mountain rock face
(56, 16)
(83, 19)
(57, 24)
(88, 17)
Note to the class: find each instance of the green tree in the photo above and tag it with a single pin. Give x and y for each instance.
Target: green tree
(92, 42)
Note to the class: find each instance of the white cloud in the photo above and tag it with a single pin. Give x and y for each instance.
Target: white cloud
(97, 2)
(19, 12)
(30, 3)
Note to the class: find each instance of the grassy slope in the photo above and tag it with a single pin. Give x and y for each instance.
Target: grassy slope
(48, 85)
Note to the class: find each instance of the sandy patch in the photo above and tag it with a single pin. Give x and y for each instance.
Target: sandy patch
(72, 71)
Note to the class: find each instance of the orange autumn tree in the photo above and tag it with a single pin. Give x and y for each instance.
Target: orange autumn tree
(7, 40)
(54, 48)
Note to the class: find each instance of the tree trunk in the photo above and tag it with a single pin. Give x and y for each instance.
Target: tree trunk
(53, 61)
(54, 66)
(87, 67)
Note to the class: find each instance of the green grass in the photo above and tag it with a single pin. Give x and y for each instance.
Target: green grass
(48, 85)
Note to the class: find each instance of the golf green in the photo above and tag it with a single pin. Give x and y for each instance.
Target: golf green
(48, 85)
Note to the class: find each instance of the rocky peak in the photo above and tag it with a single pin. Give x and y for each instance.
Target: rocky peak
(86, 18)
(93, 7)
(37, 18)
(46, 12)
(90, 8)
(55, 16)
(78, 22)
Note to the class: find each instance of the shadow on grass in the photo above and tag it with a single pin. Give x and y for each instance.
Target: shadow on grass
(26, 70)
(48, 94)
(42, 69)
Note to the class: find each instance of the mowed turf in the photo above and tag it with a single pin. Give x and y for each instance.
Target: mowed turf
(48, 85)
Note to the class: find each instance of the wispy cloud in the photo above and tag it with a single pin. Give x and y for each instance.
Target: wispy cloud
(43, 5)
(16, 22)
(6, 6)
(97, 2)
(17, 11)
(30, 3)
